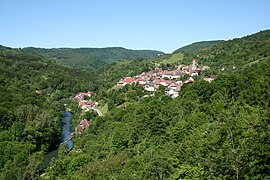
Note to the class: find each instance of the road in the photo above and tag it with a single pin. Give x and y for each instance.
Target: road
(98, 111)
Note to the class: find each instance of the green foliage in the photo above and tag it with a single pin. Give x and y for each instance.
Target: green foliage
(197, 46)
(30, 107)
(174, 58)
(211, 131)
(234, 54)
(110, 75)
(91, 58)
(217, 130)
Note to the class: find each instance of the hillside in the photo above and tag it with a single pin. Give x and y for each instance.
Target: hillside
(30, 109)
(217, 130)
(173, 59)
(198, 46)
(232, 55)
(238, 52)
(91, 58)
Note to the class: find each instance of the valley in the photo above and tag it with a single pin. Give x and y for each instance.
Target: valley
(200, 112)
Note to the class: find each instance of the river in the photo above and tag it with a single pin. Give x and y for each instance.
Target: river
(66, 130)
(65, 138)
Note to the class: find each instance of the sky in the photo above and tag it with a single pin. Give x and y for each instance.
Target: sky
(164, 25)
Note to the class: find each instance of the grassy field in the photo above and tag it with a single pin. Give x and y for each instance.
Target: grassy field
(104, 109)
(173, 59)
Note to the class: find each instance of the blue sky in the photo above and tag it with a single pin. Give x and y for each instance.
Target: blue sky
(135, 24)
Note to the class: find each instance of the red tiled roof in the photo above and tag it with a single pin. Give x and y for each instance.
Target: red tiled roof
(84, 123)
(128, 80)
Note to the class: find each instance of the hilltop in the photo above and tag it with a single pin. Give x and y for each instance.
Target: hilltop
(91, 58)
(202, 45)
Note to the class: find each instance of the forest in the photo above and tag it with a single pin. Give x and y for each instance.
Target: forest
(91, 58)
(217, 130)
(30, 106)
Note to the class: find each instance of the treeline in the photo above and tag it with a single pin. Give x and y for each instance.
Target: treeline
(217, 130)
(197, 46)
(91, 58)
(30, 109)
(234, 54)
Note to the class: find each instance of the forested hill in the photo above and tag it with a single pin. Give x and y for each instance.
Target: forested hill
(235, 54)
(198, 46)
(231, 55)
(30, 109)
(91, 58)
(217, 130)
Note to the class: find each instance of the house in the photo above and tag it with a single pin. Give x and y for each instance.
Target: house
(80, 96)
(149, 87)
(209, 79)
(194, 74)
(141, 81)
(179, 82)
(167, 74)
(178, 88)
(190, 80)
(163, 82)
(125, 81)
(120, 83)
(83, 104)
(92, 103)
(128, 80)
(175, 76)
(172, 93)
(84, 124)
(172, 86)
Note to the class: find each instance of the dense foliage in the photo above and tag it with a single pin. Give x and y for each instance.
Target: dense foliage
(217, 130)
(109, 75)
(91, 58)
(234, 54)
(30, 107)
(213, 130)
(197, 46)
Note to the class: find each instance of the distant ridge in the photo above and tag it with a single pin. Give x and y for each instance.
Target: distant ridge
(91, 58)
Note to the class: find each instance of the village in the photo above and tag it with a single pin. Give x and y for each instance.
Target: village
(170, 79)
(86, 104)
(151, 81)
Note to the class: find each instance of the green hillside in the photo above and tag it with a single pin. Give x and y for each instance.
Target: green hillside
(174, 58)
(30, 109)
(91, 58)
(198, 46)
(233, 54)
(217, 130)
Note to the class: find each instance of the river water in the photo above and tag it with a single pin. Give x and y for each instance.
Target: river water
(66, 130)
(65, 139)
